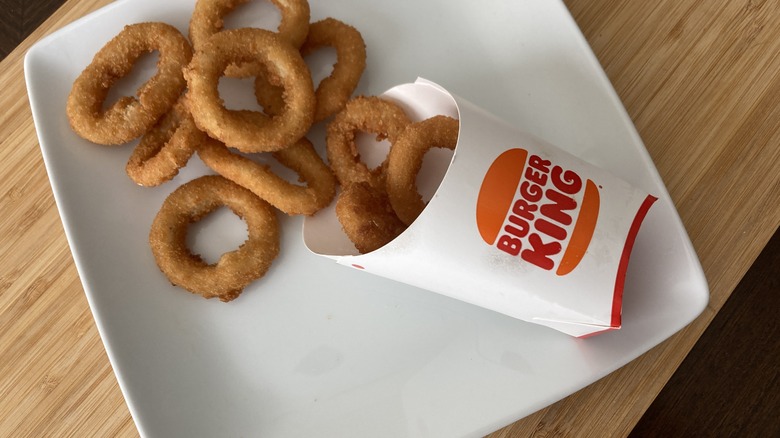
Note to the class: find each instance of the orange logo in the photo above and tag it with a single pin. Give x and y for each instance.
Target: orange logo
(526, 207)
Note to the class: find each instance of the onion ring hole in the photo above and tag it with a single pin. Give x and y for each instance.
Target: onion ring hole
(218, 232)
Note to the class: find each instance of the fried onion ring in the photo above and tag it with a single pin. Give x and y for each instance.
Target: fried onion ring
(290, 198)
(208, 19)
(405, 159)
(166, 148)
(250, 131)
(368, 114)
(366, 216)
(226, 278)
(129, 117)
(334, 91)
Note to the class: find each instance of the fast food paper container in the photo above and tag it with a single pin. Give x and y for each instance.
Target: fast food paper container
(516, 225)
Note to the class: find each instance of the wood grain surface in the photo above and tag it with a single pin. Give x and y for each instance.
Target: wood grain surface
(727, 386)
(700, 79)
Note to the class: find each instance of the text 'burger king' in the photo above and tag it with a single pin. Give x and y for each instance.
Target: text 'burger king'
(532, 208)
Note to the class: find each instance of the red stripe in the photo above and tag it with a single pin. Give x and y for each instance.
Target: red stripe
(617, 301)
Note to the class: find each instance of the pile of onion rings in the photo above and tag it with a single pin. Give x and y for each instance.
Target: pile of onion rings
(376, 205)
(179, 112)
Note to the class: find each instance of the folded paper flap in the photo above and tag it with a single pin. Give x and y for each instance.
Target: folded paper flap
(578, 330)
(513, 224)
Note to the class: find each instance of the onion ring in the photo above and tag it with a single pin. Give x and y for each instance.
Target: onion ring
(334, 91)
(166, 148)
(250, 131)
(366, 216)
(368, 114)
(226, 278)
(129, 117)
(290, 198)
(207, 19)
(405, 159)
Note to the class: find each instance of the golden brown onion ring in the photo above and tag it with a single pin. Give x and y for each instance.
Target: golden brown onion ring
(334, 91)
(367, 114)
(207, 19)
(290, 198)
(226, 278)
(166, 148)
(129, 117)
(366, 216)
(245, 130)
(405, 159)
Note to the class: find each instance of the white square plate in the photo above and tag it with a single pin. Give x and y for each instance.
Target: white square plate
(314, 349)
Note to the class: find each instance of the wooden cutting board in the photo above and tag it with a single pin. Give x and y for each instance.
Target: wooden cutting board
(701, 81)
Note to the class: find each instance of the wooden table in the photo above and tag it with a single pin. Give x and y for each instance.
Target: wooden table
(700, 79)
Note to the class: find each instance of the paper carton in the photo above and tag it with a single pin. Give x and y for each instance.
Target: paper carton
(515, 225)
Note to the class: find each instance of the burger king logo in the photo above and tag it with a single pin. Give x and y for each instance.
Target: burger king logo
(531, 208)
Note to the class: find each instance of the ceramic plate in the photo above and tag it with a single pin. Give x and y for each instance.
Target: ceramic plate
(315, 349)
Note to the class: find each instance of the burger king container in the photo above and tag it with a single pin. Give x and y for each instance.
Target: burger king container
(516, 225)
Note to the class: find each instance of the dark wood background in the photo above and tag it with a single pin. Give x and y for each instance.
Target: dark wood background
(729, 383)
